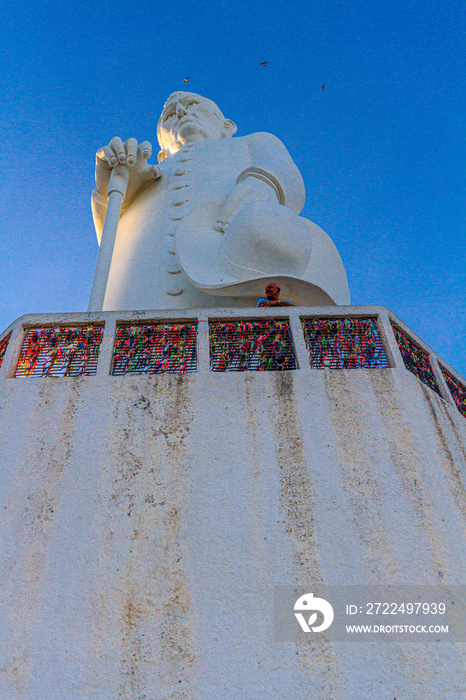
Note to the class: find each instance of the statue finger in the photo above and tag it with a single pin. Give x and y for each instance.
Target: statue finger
(230, 205)
(249, 197)
(131, 146)
(107, 155)
(117, 145)
(145, 150)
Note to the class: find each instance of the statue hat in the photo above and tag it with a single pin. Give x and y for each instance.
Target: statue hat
(266, 242)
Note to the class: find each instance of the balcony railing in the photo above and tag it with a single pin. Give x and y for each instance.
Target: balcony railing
(415, 360)
(344, 343)
(457, 391)
(155, 348)
(229, 340)
(239, 346)
(60, 352)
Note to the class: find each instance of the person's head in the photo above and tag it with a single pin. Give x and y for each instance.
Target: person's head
(187, 117)
(272, 291)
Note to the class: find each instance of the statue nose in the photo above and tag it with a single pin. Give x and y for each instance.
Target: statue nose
(180, 111)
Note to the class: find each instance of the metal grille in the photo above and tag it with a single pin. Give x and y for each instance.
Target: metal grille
(344, 343)
(416, 360)
(3, 347)
(169, 347)
(60, 352)
(251, 345)
(457, 391)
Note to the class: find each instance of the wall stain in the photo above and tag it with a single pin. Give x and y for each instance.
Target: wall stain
(459, 489)
(405, 457)
(49, 457)
(152, 607)
(355, 453)
(447, 410)
(251, 422)
(297, 501)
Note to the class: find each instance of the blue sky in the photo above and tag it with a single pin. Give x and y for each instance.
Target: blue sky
(381, 149)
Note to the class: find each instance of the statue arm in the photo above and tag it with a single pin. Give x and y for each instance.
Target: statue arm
(271, 176)
(142, 174)
(272, 163)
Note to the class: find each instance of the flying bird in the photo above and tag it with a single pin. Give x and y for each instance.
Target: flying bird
(264, 63)
(322, 86)
(185, 80)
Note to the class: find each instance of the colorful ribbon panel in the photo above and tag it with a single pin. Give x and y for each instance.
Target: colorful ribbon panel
(60, 352)
(251, 345)
(344, 343)
(169, 347)
(457, 391)
(3, 347)
(416, 361)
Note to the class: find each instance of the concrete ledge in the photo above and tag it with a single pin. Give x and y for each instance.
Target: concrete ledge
(292, 314)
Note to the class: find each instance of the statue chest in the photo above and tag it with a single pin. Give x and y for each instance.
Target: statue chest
(145, 268)
(202, 172)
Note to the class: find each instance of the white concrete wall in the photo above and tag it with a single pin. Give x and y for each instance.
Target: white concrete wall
(146, 520)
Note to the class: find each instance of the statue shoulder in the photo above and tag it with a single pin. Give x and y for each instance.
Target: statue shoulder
(263, 137)
(271, 158)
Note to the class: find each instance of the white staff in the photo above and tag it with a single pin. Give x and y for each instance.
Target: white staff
(117, 161)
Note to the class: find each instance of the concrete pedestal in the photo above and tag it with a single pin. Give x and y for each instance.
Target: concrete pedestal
(147, 519)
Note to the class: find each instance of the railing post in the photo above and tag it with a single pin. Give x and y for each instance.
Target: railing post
(104, 363)
(441, 381)
(299, 344)
(392, 351)
(203, 354)
(10, 359)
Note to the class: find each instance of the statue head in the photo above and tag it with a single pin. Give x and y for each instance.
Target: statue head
(187, 117)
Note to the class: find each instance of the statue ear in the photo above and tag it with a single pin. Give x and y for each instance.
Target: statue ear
(229, 128)
(162, 155)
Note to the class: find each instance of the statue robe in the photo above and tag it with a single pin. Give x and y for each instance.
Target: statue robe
(145, 272)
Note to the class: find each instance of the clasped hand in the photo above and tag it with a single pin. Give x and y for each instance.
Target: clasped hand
(135, 158)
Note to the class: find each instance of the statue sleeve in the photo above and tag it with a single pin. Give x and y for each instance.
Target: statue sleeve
(99, 209)
(272, 163)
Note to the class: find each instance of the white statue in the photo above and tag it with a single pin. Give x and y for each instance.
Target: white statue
(214, 222)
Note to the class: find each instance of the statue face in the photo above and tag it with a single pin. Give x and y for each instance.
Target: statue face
(188, 118)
